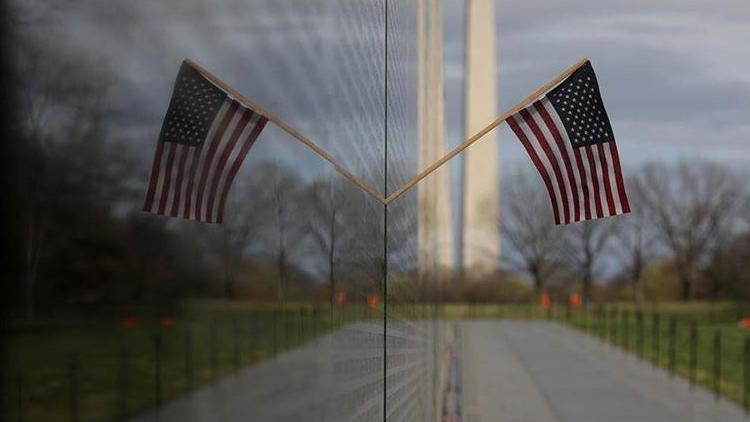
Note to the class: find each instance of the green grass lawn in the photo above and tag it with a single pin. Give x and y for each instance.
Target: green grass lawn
(100, 371)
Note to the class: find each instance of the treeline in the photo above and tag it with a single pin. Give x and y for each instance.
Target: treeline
(687, 237)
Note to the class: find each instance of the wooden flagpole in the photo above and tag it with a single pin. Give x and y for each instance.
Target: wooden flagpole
(497, 122)
(286, 128)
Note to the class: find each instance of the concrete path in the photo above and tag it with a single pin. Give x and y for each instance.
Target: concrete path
(338, 377)
(532, 371)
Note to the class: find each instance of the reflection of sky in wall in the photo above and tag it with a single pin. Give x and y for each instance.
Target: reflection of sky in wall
(673, 73)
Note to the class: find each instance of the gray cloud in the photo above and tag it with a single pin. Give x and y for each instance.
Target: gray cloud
(673, 72)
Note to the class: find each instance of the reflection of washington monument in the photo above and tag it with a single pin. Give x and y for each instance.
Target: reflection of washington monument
(480, 245)
(479, 231)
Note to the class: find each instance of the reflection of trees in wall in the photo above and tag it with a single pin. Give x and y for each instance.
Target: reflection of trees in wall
(69, 173)
(322, 226)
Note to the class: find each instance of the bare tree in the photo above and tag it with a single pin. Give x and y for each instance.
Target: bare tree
(360, 242)
(323, 224)
(402, 251)
(247, 215)
(693, 206)
(36, 94)
(284, 186)
(261, 221)
(727, 269)
(635, 238)
(65, 152)
(744, 201)
(526, 226)
(586, 247)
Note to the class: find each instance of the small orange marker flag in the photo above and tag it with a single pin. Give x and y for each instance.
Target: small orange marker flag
(165, 321)
(575, 300)
(127, 322)
(546, 302)
(373, 301)
(340, 299)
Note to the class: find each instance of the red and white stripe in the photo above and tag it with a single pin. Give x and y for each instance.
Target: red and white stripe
(583, 183)
(193, 181)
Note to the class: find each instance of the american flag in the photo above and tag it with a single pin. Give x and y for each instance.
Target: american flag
(205, 136)
(569, 139)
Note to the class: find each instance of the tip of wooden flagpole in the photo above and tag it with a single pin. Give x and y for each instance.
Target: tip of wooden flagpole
(188, 61)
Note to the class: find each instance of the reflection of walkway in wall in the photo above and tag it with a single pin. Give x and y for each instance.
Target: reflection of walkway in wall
(527, 371)
(338, 377)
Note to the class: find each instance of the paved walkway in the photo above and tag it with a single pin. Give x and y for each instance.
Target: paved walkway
(338, 377)
(536, 371)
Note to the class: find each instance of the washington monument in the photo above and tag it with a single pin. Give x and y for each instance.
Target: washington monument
(480, 243)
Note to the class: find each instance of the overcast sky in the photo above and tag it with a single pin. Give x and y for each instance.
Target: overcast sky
(674, 74)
